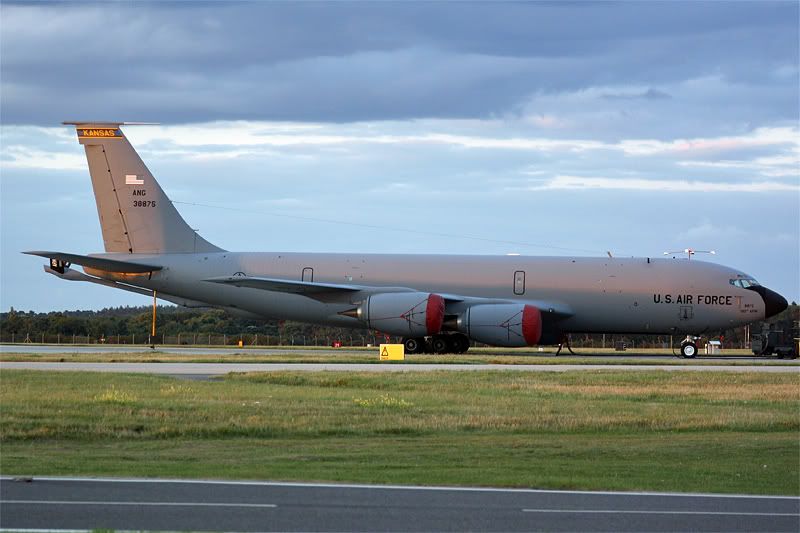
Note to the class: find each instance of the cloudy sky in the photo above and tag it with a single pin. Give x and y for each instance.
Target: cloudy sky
(487, 128)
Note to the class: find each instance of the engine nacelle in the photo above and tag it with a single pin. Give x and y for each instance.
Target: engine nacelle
(407, 314)
(509, 325)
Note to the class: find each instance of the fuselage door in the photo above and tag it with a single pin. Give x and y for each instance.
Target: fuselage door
(308, 274)
(519, 282)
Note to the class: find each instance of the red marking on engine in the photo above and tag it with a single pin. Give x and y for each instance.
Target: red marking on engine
(531, 325)
(434, 314)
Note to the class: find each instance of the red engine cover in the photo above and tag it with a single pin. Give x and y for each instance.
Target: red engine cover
(434, 314)
(531, 325)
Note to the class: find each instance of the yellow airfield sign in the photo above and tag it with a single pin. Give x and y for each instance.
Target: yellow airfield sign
(392, 352)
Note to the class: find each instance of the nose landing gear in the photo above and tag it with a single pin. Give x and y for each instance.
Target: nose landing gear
(689, 348)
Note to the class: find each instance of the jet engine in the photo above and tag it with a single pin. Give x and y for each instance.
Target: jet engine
(509, 325)
(407, 314)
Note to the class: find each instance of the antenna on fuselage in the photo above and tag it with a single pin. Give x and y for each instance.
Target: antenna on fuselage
(690, 252)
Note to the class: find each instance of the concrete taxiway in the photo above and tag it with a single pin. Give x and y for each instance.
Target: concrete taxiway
(216, 369)
(182, 350)
(79, 503)
(340, 352)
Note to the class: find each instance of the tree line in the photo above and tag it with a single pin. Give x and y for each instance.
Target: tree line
(172, 321)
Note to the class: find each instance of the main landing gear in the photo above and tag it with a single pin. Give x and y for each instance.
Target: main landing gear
(438, 344)
(414, 345)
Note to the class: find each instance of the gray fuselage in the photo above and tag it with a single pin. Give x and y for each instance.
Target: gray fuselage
(609, 295)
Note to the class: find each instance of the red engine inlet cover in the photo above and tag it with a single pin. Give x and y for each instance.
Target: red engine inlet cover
(434, 314)
(531, 325)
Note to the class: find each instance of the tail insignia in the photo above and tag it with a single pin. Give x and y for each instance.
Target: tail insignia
(109, 133)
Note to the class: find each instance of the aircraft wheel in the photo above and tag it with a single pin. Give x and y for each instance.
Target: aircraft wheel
(689, 350)
(440, 344)
(413, 345)
(459, 343)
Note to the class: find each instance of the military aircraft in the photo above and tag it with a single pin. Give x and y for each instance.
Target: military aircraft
(436, 302)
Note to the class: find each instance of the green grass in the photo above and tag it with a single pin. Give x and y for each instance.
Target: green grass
(660, 431)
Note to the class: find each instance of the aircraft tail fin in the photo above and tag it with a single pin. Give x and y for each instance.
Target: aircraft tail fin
(136, 216)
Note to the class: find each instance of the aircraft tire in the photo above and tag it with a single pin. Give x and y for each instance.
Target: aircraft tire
(689, 350)
(440, 344)
(459, 343)
(413, 345)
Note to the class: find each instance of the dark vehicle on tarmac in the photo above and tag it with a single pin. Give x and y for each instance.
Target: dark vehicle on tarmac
(780, 338)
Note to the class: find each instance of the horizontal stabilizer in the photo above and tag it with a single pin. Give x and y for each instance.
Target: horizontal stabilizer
(70, 274)
(99, 263)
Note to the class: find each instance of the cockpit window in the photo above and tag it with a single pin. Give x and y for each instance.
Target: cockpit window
(744, 282)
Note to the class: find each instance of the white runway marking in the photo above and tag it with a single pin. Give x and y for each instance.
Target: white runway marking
(20, 530)
(626, 511)
(134, 504)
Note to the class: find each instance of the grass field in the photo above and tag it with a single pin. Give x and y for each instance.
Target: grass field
(658, 431)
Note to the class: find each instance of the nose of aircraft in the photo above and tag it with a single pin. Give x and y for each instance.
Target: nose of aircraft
(774, 303)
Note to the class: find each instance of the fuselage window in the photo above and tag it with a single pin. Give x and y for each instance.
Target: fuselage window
(519, 282)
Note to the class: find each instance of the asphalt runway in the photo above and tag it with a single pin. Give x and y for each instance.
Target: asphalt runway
(199, 370)
(76, 503)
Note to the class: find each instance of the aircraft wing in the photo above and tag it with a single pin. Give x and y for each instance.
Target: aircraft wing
(306, 288)
(99, 263)
(311, 289)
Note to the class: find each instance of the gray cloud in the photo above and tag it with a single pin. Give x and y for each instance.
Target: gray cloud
(187, 62)
(638, 119)
(649, 94)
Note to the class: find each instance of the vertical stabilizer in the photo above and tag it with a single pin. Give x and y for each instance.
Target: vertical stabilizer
(135, 214)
